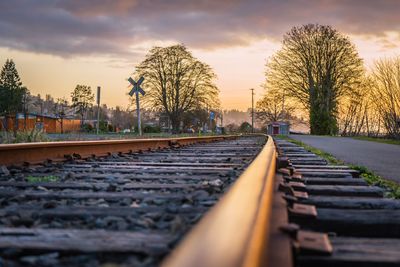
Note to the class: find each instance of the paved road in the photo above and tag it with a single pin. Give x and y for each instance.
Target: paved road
(383, 159)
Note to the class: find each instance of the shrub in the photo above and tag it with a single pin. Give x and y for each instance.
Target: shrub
(151, 129)
(87, 128)
(103, 126)
(25, 136)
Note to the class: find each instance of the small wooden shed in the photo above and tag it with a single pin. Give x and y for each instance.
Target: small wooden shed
(278, 127)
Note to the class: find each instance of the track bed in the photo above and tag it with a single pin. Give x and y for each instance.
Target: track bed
(126, 208)
(341, 220)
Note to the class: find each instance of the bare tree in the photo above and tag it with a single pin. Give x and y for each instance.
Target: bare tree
(122, 119)
(176, 82)
(27, 101)
(273, 107)
(316, 66)
(386, 94)
(358, 113)
(59, 110)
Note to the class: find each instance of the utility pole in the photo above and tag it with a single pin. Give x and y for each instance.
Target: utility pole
(207, 123)
(98, 110)
(252, 110)
(138, 113)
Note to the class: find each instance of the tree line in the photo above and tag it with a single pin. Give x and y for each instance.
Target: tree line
(179, 88)
(318, 73)
(16, 98)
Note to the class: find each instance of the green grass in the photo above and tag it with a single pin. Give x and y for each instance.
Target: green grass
(23, 136)
(378, 140)
(331, 159)
(374, 179)
(369, 176)
(42, 179)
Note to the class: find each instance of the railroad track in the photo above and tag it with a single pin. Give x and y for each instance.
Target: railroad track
(336, 218)
(227, 201)
(130, 209)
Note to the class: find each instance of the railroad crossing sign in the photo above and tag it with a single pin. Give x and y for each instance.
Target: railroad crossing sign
(136, 90)
(136, 86)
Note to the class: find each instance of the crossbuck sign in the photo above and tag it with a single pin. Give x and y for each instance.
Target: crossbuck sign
(136, 90)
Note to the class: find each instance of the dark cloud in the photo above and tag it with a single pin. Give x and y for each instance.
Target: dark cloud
(110, 27)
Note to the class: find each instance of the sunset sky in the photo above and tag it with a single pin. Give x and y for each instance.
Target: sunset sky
(57, 44)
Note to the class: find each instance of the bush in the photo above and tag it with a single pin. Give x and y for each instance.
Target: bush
(87, 128)
(151, 129)
(232, 128)
(245, 127)
(26, 136)
(103, 126)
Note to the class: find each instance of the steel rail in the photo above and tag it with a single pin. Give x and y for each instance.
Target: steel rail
(38, 152)
(235, 231)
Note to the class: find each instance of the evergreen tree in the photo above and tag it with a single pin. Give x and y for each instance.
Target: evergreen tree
(9, 76)
(11, 90)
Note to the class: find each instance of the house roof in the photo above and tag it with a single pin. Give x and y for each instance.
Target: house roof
(43, 115)
(277, 123)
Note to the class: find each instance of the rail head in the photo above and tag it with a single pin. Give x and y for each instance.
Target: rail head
(235, 231)
(38, 152)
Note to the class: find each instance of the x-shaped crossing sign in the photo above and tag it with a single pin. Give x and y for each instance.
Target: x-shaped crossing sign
(136, 90)
(136, 86)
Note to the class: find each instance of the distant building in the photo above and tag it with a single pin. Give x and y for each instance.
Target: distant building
(47, 123)
(278, 127)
